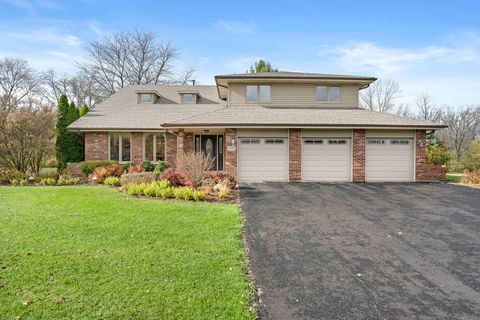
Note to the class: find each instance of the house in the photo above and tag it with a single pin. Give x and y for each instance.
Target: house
(274, 126)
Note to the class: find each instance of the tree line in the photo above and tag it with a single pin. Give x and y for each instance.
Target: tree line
(37, 106)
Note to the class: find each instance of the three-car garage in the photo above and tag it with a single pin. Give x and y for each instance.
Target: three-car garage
(326, 155)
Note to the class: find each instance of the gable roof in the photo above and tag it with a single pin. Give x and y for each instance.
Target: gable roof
(121, 111)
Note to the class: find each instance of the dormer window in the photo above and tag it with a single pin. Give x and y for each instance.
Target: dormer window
(145, 98)
(188, 98)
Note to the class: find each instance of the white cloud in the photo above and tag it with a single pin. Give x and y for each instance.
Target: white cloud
(43, 36)
(387, 61)
(32, 6)
(236, 27)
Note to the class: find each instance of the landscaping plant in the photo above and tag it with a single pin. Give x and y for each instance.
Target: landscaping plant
(7, 175)
(113, 170)
(471, 177)
(112, 181)
(137, 178)
(196, 166)
(87, 167)
(148, 166)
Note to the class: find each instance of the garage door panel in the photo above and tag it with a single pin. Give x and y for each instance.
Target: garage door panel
(389, 159)
(266, 160)
(324, 161)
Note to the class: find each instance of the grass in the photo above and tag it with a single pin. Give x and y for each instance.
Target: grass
(91, 252)
(454, 177)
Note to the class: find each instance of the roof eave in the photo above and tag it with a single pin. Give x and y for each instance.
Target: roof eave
(296, 125)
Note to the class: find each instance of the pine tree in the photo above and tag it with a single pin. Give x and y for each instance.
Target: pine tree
(84, 110)
(68, 144)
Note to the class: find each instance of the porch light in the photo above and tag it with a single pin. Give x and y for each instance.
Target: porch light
(206, 131)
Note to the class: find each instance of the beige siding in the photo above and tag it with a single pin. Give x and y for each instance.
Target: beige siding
(390, 133)
(310, 133)
(296, 94)
(267, 133)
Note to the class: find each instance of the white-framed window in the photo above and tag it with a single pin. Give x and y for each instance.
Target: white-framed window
(274, 141)
(249, 141)
(259, 93)
(337, 141)
(328, 94)
(313, 141)
(120, 147)
(145, 97)
(188, 98)
(375, 141)
(399, 141)
(153, 147)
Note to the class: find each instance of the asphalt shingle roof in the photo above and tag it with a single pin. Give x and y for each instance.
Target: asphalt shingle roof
(122, 112)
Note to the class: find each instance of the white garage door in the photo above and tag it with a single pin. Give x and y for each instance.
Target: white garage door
(326, 159)
(262, 159)
(389, 159)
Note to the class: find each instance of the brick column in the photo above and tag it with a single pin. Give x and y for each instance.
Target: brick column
(188, 145)
(96, 145)
(171, 148)
(137, 147)
(180, 147)
(358, 156)
(295, 155)
(420, 155)
(230, 161)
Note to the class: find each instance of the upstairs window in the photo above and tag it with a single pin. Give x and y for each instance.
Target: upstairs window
(257, 94)
(188, 98)
(145, 98)
(119, 147)
(328, 94)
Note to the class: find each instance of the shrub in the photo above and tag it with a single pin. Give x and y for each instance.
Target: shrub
(7, 175)
(471, 177)
(135, 189)
(48, 181)
(87, 167)
(220, 177)
(125, 165)
(177, 178)
(185, 193)
(165, 193)
(162, 166)
(196, 166)
(113, 170)
(198, 195)
(150, 189)
(135, 168)
(15, 182)
(224, 192)
(112, 181)
(137, 178)
(148, 166)
(438, 154)
(24, 182)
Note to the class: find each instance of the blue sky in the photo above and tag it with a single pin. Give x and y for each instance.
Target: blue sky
(427, 46)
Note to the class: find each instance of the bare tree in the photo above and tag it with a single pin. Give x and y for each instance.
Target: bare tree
(18, 84)
(426, 109)
(380, 96)
(80, 88)
(26, 137)
(186, 77)
(129, 57)
(463, 126)
(404, 110)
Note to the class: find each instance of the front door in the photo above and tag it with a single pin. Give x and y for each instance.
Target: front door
(209, 148)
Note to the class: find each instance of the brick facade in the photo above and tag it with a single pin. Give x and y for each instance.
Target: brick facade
(180, 147)
(188, 144)
(171, 148)
(425, 171)
(295, 155)
(230, 158)
(358, 155)
(137, 147)
(96, 146)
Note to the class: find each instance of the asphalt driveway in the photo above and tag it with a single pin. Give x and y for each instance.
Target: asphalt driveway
(364, 251)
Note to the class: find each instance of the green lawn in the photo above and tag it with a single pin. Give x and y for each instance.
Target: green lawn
(92, 252)
(454, 177)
